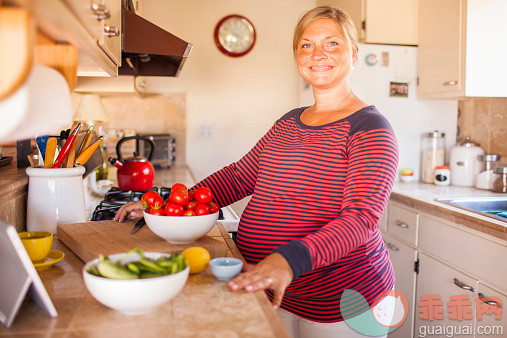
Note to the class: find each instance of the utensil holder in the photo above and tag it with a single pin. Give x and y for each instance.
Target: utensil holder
(55, 196)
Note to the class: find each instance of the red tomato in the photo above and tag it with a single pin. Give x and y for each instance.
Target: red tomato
(191, 205)
(173, 209)
(157, 212)
(189, 213)
(152, 200)
(191, 195)
(203, 195)
(201, 209)
(179, 196)
(179, 186)
(213, 207)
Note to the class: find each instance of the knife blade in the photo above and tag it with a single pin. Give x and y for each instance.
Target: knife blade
(139, 224)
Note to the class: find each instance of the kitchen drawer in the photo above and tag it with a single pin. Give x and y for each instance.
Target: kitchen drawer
(402, 223)
(482, 257)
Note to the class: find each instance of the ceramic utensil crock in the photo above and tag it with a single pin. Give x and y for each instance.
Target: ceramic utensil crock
(55, 196)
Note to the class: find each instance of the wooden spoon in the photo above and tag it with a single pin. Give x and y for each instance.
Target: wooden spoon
(50, 152)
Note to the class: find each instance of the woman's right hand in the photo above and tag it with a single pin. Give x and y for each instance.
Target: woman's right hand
(129, 210)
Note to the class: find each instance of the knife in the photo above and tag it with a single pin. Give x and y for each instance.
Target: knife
(139, 225)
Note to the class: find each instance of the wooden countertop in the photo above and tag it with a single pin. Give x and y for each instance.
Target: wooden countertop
(205, 307)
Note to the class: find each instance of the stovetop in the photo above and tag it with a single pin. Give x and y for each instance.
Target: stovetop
(115, 198)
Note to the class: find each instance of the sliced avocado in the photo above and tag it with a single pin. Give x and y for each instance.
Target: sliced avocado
(110, 270)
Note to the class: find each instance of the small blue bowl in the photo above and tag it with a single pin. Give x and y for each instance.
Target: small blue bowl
(225, 268)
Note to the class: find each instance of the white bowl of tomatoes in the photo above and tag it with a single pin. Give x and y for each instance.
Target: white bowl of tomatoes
(183, 217)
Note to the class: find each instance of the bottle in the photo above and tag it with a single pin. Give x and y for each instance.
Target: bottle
(486, 177)
(442, 175)
(103, 171)
(433, 154)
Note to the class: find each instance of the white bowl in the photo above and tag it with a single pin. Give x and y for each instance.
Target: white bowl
(134, 296)
(180, 229)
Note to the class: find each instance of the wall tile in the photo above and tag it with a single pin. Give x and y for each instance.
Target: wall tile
(485, 121)
(499, 143)
(157, 114)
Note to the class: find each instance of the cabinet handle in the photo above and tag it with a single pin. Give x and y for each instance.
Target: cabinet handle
(489, 302)
(401, 224)
(392, 247)
(463, 285)
(100, 12)
(450, 83)
(111, 31)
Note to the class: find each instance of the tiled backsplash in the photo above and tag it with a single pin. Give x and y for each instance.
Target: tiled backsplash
(485, 121)
(157, 114)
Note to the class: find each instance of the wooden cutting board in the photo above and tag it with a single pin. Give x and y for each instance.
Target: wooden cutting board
(90, 239)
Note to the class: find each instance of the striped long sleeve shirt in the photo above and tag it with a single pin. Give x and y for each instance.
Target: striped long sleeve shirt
(318, 193)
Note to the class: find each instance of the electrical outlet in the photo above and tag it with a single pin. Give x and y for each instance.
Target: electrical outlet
(206, 131)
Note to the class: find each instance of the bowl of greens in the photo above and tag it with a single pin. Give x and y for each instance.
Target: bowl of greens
(136, 282)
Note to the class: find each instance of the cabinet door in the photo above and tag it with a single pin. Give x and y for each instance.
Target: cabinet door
(403, 259)
(110, 39)
(392, 21)
(440, 53)
(438, 280)
(385, 21)
(493, 302)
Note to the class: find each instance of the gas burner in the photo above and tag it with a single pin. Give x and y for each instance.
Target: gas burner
(115, 198)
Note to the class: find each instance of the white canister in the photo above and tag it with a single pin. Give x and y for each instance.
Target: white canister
(442, 175)
(55, 196)
(464, 163)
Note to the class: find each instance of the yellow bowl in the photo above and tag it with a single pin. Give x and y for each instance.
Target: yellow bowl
(37, 244)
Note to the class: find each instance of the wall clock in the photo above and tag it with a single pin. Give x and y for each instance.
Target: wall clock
(235, 35)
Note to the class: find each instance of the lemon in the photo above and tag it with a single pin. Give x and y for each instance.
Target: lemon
(197, 258)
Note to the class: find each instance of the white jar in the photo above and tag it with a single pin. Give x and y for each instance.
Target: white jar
(442, 175)
(55, 196)
(464, 163)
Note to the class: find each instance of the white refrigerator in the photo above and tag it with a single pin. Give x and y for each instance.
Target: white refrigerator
(386, 76)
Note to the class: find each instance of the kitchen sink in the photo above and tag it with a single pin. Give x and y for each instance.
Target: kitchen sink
(495, 207)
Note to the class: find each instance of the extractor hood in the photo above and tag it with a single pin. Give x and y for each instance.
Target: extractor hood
(149, 50)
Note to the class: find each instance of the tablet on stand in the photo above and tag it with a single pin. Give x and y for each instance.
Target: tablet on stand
(18, 278)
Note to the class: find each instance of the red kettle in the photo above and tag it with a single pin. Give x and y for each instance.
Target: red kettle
(134, 173)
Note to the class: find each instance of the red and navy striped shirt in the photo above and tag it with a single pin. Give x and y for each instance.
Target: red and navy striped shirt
(318, 193)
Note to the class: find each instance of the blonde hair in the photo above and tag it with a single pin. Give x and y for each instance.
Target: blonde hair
(341, 18)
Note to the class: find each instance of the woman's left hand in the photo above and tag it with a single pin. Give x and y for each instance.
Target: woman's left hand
(273, 272)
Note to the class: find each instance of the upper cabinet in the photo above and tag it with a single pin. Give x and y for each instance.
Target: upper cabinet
(102, 19)
(93, 26)
(381, 21)
(461, 48)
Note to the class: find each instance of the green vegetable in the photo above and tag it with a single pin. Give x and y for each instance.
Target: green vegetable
(115, 271)
(145, 267)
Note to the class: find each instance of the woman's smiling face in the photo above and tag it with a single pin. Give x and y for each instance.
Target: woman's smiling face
(324, 58)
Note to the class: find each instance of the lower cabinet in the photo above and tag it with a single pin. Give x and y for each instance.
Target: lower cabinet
(403, 259)
(445, 298)
(490, 319)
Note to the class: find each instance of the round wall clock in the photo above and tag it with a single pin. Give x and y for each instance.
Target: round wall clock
(235, 35)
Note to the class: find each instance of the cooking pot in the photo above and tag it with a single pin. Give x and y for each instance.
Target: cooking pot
(134, 173)
(464, 163)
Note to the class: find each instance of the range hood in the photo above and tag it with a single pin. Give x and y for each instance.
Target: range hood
(148, 50)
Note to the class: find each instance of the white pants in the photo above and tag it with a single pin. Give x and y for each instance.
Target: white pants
(303, 328)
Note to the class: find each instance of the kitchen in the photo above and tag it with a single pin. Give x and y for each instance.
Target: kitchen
(222, 95)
